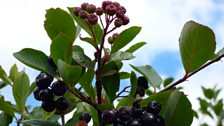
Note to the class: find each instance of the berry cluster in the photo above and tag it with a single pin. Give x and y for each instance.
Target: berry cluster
(142, 84)
(113, 12)
(85, 117)
(135, 115)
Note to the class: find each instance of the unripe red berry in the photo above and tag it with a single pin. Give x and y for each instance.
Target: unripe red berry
(125, 20)
(111, 9)
(92, 19)
(83, 14)
(84, 5)
(116, 4)
(91, 8)
(118, 22)
(120, 14)
(105, 3)
(122, 9)
(99, 11)
(76, 11)
(110, 40)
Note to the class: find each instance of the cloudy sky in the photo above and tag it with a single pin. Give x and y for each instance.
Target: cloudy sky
(21, 25)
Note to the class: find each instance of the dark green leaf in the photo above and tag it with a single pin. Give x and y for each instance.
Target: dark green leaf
(21, 90)
(35, 59)
(6, 107)
(103, 107)
(119, 56)
(197, 45)
(124, 38)
(82, 59)
(3, 76)
(97, 30)
(89, 40)
(124, 75)
(204, 124)
(32, 87)
(111, 85)
(208, 93)
(135, 47)
(13, 72)
(178, 110)
(204, 107)
(2, 84)
(133, 80)
(40, 123)
(61, 48)
(218, 107)
(77, 48)
(5, 119)
(148, 72)
(39, 113)
(167, 81)
(195, 114)
(127, 101)
(58, 22)
(73, 120)
(70, 74)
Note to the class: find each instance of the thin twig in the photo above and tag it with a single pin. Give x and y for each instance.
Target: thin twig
(62, 119)
(124, 90)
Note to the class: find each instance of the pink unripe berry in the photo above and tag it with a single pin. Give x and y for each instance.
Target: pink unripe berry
(105, 3)
(91, 8)
(92, 19)
(125, 20)
(83, 14)
(118, 22)
(111, 9)
(84, 5)
(99, 11)
(76, 11)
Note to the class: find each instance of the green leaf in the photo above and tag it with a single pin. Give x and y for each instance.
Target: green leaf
(89, 40)
(178, 110)
(77, 48)
(195, 114)
(133, 80)
(73, 120)
(70, 74)
(127, 101)
(97, 30)
(3, 76)
(218, 107)
(135, 47)
(5, 119)
(61, 48)
(197, 45)
(39, 113)
(40, 123)
(208, 93)
(86, 82)
(220, 52)
(20, 90)
(119, 56)
(82, 59)
(103, 107)
(124, 75)
(148, 72)
(35, 59)
(58, 22)
(31, 88)
(13, 72)
(2, 84)
(167, 81)
(125, 37)
(6, 107)
(111, 85)
(204, 107)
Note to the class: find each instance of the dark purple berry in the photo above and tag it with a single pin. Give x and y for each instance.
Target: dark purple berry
(153, 107)
(105, 4)
(99, 11)
(58, 88)
(36, 94)
(92, 19)
(84, 5)
(160, 121)
(76, 11)
(125, 20)
(48, 106)
(140, 91)
(62, 104)
(91, 8)
(124, 113)
(109, 116)
(43, 80)
(142, 82)
(46, 95)
(85, 117)
(51, 62)
(135, 122)
(111, 9)
(83, 14)
(149, 118)
(136, 111)
(118, 22)
(119, 123)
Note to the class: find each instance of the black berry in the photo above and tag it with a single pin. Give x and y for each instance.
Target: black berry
(140, 91)
(51, 62)
(48, 106)
(136, 111)
(134, 122)
(46, 95)
(62, 104)
(142, 82)
(153, 107)
(119, 123)
(149, 118)
(43, 80)
(124, 113)
(109, 116)
(85, 117)
(160, 121)
(58, 88)
(36, 94)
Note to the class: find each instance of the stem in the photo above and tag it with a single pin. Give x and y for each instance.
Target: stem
(187, 75)
(124, 90)
(62, 119)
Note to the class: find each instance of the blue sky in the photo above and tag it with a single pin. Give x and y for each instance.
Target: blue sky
(21, 26)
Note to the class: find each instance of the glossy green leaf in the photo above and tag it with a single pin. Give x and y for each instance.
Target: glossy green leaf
(4, 76)
(148, 72)
(6, 107)
(124, 38)
(178, 111)
(89, 40)
(20, 90)
(82, 59)
(13, 72)
(40, 123)
(208, 92)
(97, 30)
(31, 88)
(135, 47)
(133, 80)
(120, 56)
(5, 119)
(58, 22)
(103, 107)
(39, 113)
(111, 85)
(167, 81)
(124, 75)
(61, 48)
(197, 45)
(127, 101)
(70, 74)
(35, 59)
(218, 107)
